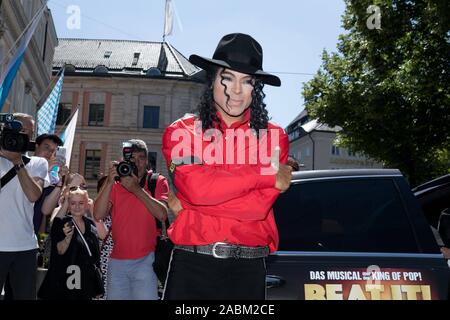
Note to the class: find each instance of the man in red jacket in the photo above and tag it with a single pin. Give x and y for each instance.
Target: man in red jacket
(228, 167)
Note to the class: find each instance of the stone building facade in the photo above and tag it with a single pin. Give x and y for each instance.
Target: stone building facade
(313, 144)
(123, 90)
(33, 78)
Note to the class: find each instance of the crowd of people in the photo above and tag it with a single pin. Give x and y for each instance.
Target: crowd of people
(105, 248)
(80, 240)
(220, 194)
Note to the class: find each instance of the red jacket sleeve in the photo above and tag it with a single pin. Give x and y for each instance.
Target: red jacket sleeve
(162, 189)
(255, 205)
(213, 184)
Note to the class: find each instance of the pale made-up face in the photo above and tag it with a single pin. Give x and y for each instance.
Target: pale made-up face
(238, 86)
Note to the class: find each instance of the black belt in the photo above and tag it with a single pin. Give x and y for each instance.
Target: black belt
(224, 250)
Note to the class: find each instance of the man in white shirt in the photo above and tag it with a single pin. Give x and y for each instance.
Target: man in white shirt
(18, 243)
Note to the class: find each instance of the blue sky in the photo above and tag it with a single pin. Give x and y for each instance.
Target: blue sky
(293, 33)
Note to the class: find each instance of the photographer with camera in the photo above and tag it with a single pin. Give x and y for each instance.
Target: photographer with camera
(22, 180)
(133, 211)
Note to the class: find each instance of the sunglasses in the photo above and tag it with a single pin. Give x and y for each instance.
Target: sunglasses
(81, 187)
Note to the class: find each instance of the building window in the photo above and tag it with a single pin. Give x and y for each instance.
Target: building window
(151, 117)
(308, 152)
(335, 150)
(96, 114)
(64, 112)
(294, 134)
(135, 59)
(351, 153)
(92, 164)
(152, 156)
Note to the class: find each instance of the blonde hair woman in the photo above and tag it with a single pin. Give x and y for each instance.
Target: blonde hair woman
(75, 252)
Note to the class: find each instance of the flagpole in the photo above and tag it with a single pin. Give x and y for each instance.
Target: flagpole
(23, 32)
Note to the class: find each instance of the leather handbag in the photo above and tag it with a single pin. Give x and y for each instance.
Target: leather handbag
(99, 288)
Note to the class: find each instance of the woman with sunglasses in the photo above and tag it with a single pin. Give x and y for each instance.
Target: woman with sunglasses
(81, 187)
(75, 252)
(77, 181)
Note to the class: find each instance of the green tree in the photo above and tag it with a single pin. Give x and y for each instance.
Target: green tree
(389, 88)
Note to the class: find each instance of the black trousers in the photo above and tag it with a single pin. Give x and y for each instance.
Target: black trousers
(8, 290)
(21, 267)
(195, 276)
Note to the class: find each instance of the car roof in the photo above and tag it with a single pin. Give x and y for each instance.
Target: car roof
(431, 185)
(311, 174)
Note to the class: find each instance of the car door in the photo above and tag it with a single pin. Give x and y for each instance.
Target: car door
(351, 238)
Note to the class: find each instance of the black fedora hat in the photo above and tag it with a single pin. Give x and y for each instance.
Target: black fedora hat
(239, 52)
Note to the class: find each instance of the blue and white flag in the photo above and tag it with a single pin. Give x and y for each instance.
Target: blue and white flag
(46, 116)
(68, 136)
(8, 76)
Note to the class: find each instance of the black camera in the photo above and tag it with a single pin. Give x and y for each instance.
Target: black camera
(11, 139)
(127, 167)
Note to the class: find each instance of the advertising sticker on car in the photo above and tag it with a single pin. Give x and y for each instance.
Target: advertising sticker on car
(373, 283)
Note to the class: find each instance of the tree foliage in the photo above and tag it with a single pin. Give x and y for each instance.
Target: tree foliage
(389, 88)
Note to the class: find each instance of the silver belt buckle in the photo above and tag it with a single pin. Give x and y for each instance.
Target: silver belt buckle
(215, 255)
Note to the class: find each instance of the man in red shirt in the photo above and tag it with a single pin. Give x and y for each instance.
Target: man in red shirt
(133, 212)
(228, 167)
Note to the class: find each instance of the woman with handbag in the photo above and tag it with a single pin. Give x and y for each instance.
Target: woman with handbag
(75, 258)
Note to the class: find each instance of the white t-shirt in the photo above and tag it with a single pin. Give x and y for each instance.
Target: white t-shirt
(16, 211)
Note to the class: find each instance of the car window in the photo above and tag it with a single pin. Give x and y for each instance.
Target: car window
(434, 201)
(359, 215)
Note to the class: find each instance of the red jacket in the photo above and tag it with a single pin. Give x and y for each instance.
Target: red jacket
(229, 196)
(134, 226)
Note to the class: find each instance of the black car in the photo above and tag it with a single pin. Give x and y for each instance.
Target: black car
(354, 234)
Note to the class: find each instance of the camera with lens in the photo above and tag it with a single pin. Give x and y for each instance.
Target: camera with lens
(11, 139)
(127, 167)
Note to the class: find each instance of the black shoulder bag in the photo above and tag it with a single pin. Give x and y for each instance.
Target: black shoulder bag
(164, 246)
(12, 173)
(98, 283)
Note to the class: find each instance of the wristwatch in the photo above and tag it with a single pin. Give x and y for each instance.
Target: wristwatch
(19, 166)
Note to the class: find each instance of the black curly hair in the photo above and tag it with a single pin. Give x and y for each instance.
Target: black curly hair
(206, 109)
